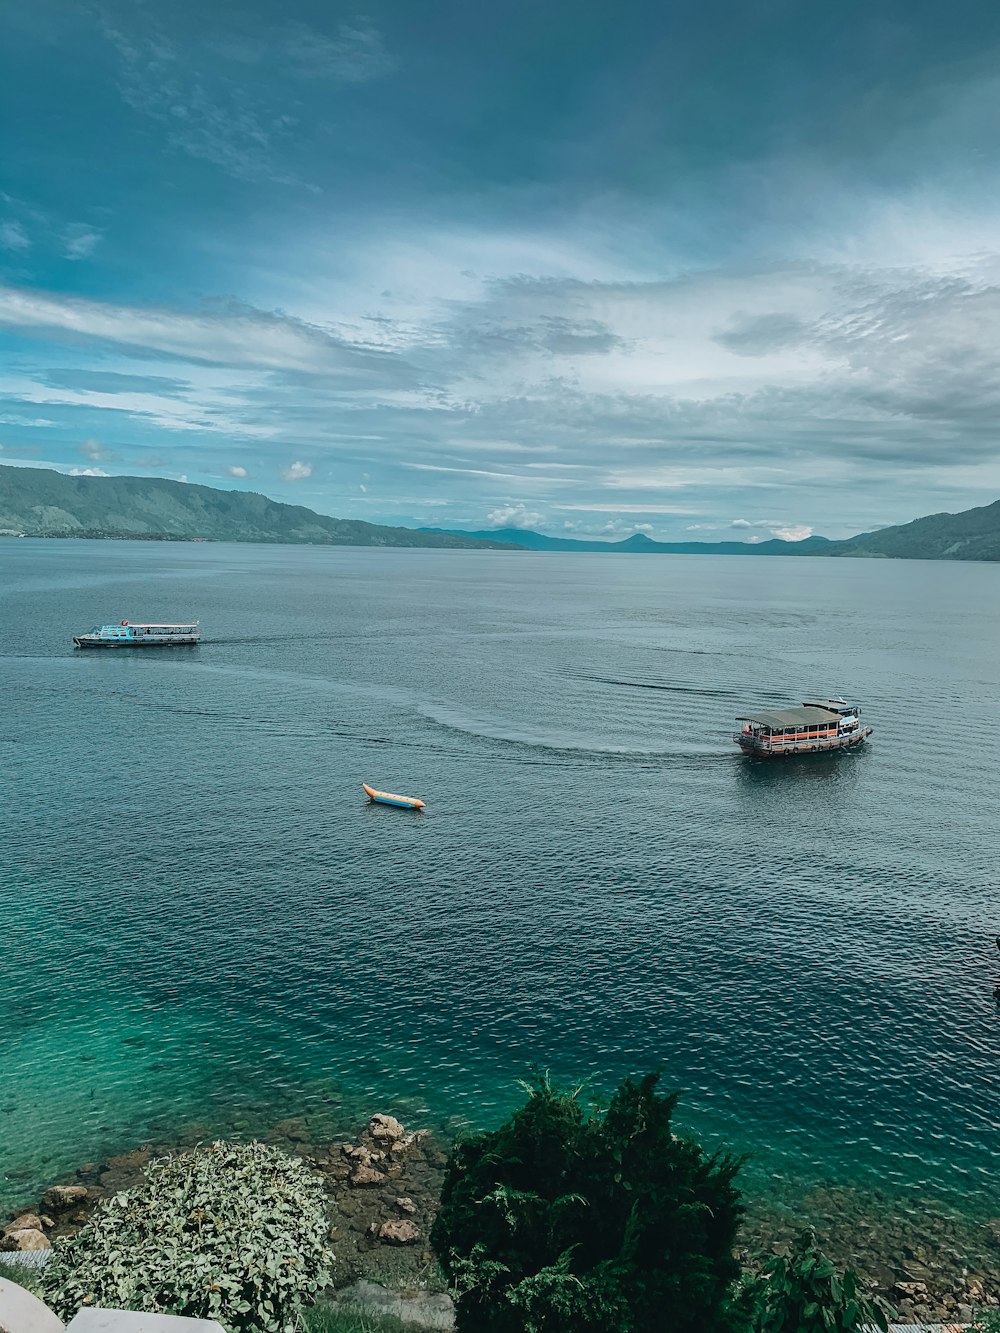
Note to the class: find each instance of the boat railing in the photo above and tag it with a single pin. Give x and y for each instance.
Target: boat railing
(781, 743)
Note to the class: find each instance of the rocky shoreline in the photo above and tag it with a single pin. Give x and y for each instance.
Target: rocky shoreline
(383, 1187)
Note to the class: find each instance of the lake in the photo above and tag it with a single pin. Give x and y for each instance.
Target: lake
(205, 926)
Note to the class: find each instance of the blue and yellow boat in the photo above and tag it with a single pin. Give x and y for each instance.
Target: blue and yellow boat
(389, 798)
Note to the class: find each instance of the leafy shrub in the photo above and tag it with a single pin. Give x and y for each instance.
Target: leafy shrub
(234, 1232)
(804, 1293)
(560, 1222)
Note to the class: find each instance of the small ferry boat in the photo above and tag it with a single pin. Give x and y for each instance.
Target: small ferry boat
(389, 798)
(128, 635)
(830, 724)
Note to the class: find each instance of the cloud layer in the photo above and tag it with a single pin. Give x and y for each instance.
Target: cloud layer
(328, 263)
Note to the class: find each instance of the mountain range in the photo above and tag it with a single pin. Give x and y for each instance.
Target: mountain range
(41, 503)
(973, 534)
(639, 544)
(37, 502)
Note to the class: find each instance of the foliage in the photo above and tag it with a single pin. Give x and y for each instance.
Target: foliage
(987, 1321)
(233, 1232)
(804, 1293)
(325, 1317)
(563, 1222)
(25, 1275)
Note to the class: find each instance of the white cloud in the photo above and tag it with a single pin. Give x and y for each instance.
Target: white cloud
(297, 472)
(13, 236)
(514, 516)
(87, 472)
(80, 241)
(95, 451)
(238, 472)
(786, 532)
(796, 532)
(227, 334)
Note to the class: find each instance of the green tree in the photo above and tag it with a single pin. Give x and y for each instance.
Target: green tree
(804, 1293)
(562, 1221)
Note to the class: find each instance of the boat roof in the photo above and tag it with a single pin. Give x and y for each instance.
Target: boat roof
(807, 715)
(145, 624)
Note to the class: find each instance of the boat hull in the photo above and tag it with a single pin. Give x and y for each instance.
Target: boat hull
(763, 750)
(94, 641)
(390, 798)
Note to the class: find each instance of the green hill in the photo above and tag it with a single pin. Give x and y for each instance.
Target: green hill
(42, 503)
(972, 534)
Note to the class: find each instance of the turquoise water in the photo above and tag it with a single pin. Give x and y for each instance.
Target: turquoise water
(204, 925)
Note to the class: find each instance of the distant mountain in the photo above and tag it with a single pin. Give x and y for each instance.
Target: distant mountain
(39, 502)
(43, 503)
(972, 534)
(642, 545)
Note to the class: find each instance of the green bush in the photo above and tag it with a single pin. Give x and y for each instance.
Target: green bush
(233, 1232)
(804, 1293)
(563, 1222)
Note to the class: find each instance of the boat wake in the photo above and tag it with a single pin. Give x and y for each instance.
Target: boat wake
(507, 732)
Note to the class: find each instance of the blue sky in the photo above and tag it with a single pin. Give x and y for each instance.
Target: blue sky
(693, 268)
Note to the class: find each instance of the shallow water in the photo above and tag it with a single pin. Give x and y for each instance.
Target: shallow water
(204, 923)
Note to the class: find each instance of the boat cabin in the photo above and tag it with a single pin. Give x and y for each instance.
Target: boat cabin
(126, 630)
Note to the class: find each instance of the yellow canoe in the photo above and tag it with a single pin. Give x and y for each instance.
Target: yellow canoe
(388, 798)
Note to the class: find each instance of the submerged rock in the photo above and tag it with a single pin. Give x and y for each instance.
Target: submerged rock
(64, 1196)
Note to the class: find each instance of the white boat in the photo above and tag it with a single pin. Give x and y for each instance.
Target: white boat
(126, 634)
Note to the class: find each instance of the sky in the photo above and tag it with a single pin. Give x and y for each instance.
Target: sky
(695, 268)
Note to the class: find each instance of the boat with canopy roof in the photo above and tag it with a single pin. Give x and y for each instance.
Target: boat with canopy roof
(811, 728)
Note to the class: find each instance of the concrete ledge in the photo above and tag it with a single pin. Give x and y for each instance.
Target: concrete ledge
(21, 1312)
(94, 1320)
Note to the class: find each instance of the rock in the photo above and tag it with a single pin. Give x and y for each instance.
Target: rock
(356, 1154)
(26, 1222)
(64, 1196)
(386, 1128)
(406, 1206)
(365, 1176)
(966, 1314)
(398, 1233)
(294, 1129)
(25, 1238)
(127, 1161)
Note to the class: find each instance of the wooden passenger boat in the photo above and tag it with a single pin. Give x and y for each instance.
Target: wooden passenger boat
(389, 798)
(812, 728)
